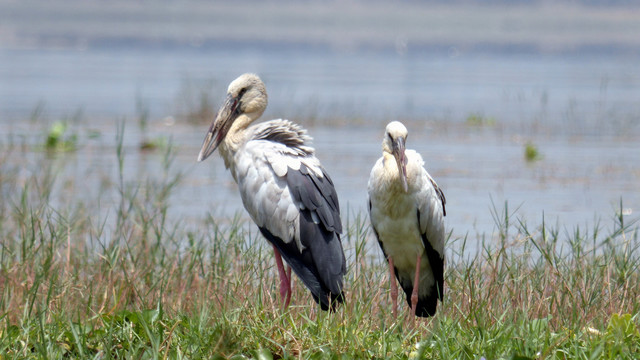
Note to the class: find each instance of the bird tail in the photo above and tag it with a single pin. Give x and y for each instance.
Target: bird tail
(301, 264)
(327, 299)
(330, 301)
(427, 304)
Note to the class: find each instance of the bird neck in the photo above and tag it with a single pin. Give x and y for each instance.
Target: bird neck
(236, 137)
(391, 174)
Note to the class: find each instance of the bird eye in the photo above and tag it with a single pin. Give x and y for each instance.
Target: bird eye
(242, 91)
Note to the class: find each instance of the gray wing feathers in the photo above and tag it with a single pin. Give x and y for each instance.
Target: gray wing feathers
(286, 133)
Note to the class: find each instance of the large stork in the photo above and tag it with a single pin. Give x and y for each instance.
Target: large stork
(406, 208)
(285, 189)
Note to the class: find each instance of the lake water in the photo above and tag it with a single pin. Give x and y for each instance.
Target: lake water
(468, 114)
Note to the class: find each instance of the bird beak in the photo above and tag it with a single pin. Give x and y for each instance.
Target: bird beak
(219, 127)
(401, 161)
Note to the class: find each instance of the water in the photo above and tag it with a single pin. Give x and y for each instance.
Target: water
(363, 85)
(582, 112)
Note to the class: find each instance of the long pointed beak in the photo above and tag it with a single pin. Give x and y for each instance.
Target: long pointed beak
(219, 127)
(401, 161)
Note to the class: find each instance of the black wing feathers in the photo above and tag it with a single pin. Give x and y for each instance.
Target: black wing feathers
(321, 265)
(440, 194)
(301, 263)
(317, 195)
(436, 262)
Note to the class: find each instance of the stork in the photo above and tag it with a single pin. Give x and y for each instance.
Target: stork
(284, 188)
(406, 209)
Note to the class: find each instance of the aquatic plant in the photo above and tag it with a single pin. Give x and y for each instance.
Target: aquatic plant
(146, 143)
(476, 119)
(531, 152)
(58, 138)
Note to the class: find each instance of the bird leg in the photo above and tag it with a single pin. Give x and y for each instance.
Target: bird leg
(289, 281)
(416, 282)
(285, 279)
(394, 287)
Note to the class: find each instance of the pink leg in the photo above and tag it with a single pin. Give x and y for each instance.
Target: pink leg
(285, 279)
(416, 282)
(394, 288)
(289, 280)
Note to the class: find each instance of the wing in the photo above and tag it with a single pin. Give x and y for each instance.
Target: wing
(375, 232)
(431, 201)
(372, 187)
(294, 203)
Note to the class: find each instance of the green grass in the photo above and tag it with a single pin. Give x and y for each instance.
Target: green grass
(129, 282)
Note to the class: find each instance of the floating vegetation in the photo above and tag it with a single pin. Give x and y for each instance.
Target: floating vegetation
(58, 139)
(476, 119)
(147, 144)
(156, 143)
(531, 152)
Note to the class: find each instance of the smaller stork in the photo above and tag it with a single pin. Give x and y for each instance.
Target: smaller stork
(406, 208)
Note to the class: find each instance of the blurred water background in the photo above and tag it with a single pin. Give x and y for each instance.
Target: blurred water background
(476, 83)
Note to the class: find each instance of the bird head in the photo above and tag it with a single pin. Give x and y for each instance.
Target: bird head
(394, 143)
(246, 100)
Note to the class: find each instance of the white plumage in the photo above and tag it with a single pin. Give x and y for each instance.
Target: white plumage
(406, 209)
(284, 188)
